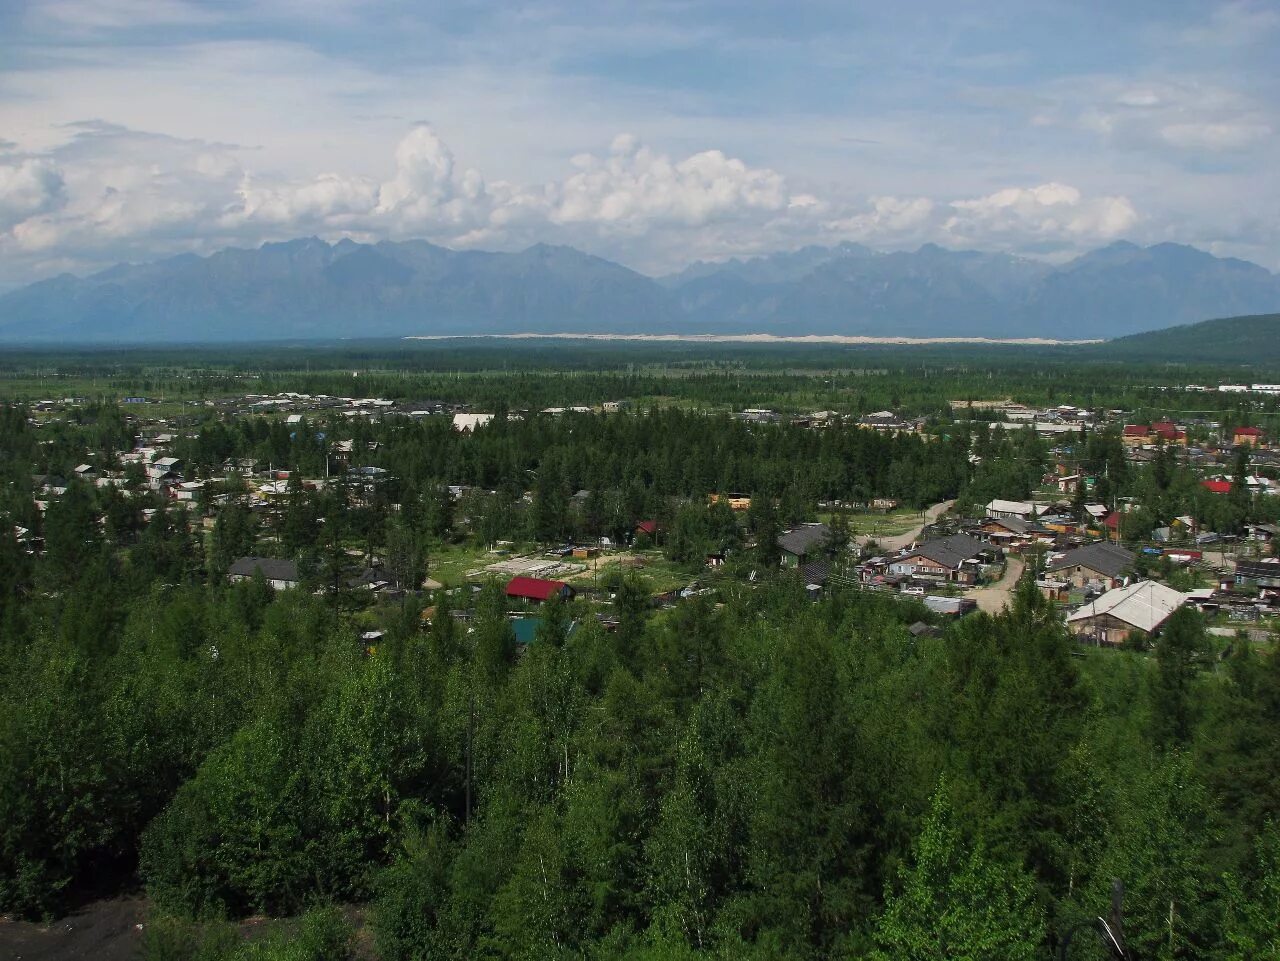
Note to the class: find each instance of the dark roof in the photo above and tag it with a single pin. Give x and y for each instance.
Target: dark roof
(1014, 525)
(1109, 559)
(536, 588)
(921, 629)
(816, 573)
(950, 551)
(804, 539)
(273, 568)
(1258, 568)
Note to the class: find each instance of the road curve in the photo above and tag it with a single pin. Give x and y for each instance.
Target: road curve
(897, 542)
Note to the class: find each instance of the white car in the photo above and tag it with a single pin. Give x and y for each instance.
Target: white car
(914, 591)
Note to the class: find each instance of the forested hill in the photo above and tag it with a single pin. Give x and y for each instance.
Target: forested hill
(310, 289)
(1254, 339)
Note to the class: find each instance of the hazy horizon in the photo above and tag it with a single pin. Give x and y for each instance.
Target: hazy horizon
(654, 135)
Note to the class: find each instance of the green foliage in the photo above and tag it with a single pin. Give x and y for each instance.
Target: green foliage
(957, 901)
(746, 774)
(1252, 904)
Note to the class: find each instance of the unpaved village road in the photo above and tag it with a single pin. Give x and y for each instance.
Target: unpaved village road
(994, 597)
(888, 545)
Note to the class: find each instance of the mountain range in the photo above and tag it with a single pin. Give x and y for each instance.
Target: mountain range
(310, 289)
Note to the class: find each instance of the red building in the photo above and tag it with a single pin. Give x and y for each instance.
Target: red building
(538, 589)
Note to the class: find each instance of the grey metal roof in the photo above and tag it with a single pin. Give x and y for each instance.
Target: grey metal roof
(803, 540)
(1110, 560)
(1258, 569)
(954, 606)
(273, 568)
(951, 551)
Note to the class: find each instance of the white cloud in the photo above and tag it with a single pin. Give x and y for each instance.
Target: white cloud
(889, 219)
(634, 187)
(1051, 212)
(28, 187)
(1171, 119)
(109, 194)
(1215, 136)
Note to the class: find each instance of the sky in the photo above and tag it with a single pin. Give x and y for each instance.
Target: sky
(652, 133)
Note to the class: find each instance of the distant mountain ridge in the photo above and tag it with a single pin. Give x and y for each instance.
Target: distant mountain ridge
(309, 288)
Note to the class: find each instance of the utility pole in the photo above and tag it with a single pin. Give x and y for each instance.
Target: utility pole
(471, 733)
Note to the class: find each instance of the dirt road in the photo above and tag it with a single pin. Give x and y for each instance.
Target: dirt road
(993, 597)
(898, 541)
(102, 931)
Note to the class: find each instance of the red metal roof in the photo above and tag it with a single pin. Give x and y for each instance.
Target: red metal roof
(534, 588)
(647, 527)
(1136, 430)
(1217, 486)
(1248, 432)
(1112, 522)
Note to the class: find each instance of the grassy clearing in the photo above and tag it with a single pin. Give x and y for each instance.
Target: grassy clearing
(880, 524)
(450, 564)
(662, 574)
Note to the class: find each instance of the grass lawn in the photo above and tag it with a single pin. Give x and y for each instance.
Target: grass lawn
(450, 564)
(661, 573)
(881, 524)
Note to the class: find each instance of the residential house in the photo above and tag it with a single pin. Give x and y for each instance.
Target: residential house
(1168, 432)
(1258, 573)
(886, 421)
(538, 589)
(279, 573)
(1140, 608)
(1093, 565)
(957, 558)
(1263, 533)
(736, 502)
(1067, 483)
(1246, 437)
(164, 472)
(803, 544)
(1014, 532)
(1137, 435)
(470, 422)
(1023, 510)
(648, 528)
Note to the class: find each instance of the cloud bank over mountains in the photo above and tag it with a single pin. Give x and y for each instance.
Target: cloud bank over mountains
(650, 132)
(109, 193)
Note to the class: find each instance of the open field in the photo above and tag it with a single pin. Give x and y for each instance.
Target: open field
(767, 339)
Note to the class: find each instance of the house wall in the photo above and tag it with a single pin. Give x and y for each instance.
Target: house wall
(1081, 576)
(916, 566)
(1102, 629)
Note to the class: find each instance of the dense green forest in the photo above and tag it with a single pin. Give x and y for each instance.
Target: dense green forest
(1249, 340)
(763, 777)
(850, 379)
(749, 773)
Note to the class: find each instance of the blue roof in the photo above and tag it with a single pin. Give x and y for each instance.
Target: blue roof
(526, 628)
